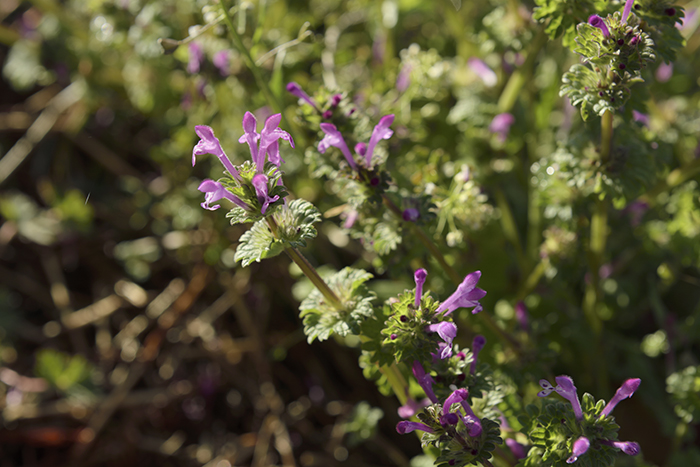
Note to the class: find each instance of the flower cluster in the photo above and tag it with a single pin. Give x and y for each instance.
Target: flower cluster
(253, 186)
(333, 137)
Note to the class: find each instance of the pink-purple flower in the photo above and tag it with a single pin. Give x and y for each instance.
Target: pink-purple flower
(447, 332)
(598, 22)
(296, 90)
(624, 392)
(565, 388)
(467, 295)
(580, 447)
(196, 58)
(333, 137)
(214, 191)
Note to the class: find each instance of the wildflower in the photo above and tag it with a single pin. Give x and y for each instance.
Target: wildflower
(522, 316)
(424, 380)
(598, 22)
(221, 61)
(411, 407)
(403, 80)
(196, 58)
(477, 344)
(501, 124)
(626, 11)
(447, 332)
(268, 138)
(407, 427)
(419, 276)
(334, 138)
(467, 295)
(516, 448)
(581, 445)
(214, 191)
(296, 90)
(484, 72)
(630, 448)
(664, 72)
(625, 391)
(640, 117)
(381, 131)
(261, 191)
(350, 219)
(565, 388)
(209, 144)
(410, 214)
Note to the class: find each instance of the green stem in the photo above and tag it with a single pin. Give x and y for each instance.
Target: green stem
(238, 43)
(510, 231)
(397, 381)
(519, 77)
(599, 232)
(308, 270)
(606, 134)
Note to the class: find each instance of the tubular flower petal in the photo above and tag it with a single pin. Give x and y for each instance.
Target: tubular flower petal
(419, 276)
(296, 90)
(269, 140)
(484, 71)
(381, 131)
(521, 315)
(598, 22)
(581, 445)
(471, 421)
(251, 136)
(407, 427)
(412, 407)
(447, 332)
(221, 61)
(565, 387)
(209, 144)
(449, 419)
(467, 295)
(630, 448)
(627, 10)
(477, 344)
(424, 380)
(625, 391)
(501, 124)
(214, 191)
(335, 138)
(260, 183)
(196, 58)
(361, 149)
(516, 448)
(455, 398)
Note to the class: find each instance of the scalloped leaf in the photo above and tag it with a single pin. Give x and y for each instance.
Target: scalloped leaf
(296, 223)
(257, 243)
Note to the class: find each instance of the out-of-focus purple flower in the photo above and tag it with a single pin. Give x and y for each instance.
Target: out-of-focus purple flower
(447, 332)
(516, 448)
(522, 316)
(222, 60)
(581, 445)
(636, 210)
(403, 80)
(424, 380)
(630, 448)
(209, 144)
(598, 22)
(261, 191)
(627, 10)
(664, 72)
(381, 131)
(467, 295)
(407, 427)
(335, 138)
(196, 58)
(214, 191)
(350, 219)
(501, 124)
(327, 115)
(379, 48)
(625, 391)
(484, 72)
(640, 117)
(335, 100)
(565, 388)
(411, 407)
(419, 276)
(689, 21)
(296, 90)
(410, 214)
(477, 344)
(361, 149)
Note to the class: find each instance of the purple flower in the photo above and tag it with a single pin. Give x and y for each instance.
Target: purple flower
(209, 144)
(470, 420)
(214, 191)
(477, 344)
(335, 100)
(403, 80)
(598, 22)
(381, 131)
(486, 74)
(221, 61)
(269, 140)
(565, 388)
(630, 448)
(640, 117)
(581, 445)
(636, 210)
(412, 407)
(410, 214)
(350, 219)
(521, 315)
(456, 397)
(419, 276)
(447, 332)
(516, 448)
(627, 10)
(335, 138)
(261, 191)
(625, 391)
(196, 58)
(297, 91)
(664, 72)
(467, 295)
(407, 427)
(424, 380)
(501, 124)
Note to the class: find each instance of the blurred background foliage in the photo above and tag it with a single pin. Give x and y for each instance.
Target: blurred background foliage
(129, 334)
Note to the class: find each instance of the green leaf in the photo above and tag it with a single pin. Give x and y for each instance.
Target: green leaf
(296, 222)
(257, 243)
(61, 370)
(321, 319)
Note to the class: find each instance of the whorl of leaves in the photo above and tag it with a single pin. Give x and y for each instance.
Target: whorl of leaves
(246, 192)
(322, 319)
